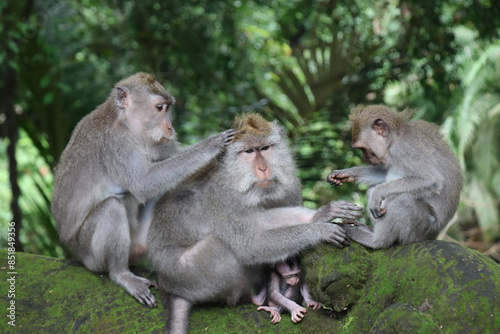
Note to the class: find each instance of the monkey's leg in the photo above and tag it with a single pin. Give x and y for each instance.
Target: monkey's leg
(412, 220)
(260, 297)
(105, 235)
(177, 312)
(139, 235)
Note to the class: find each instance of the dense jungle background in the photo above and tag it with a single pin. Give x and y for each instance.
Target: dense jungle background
(305, 63)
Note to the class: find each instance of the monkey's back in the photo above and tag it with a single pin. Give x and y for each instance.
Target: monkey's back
(79, 175)
(424, 153)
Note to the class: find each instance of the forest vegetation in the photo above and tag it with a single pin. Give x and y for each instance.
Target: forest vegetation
(306, 63)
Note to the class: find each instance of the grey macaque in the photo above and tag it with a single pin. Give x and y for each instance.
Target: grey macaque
(211, 237)
(286, 289)
(119, 160)
(414, 179)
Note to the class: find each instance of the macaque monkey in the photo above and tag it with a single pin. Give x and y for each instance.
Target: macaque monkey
(414, 179)
(210, 238)
(119, 160)
(286, 289)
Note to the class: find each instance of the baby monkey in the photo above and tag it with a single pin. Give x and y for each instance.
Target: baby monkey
(286, 289)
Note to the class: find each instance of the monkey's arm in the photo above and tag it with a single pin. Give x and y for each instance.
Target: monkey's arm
(412, 186)
(283, 232)
(370, 175)
(300, 215)
(146, 179)
(308, 299)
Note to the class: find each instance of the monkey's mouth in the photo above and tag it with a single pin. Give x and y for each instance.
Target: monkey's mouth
(264, 183)
(371, 157)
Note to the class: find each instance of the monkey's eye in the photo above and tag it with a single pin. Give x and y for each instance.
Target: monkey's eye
(250, 150)
(161, 107)
(265, 148)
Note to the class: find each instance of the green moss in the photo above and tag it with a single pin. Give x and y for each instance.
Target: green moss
(449, 286)
(429, 287)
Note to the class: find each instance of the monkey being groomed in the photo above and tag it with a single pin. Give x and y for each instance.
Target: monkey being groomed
(414, 179)
(119, 160)
(210, 237)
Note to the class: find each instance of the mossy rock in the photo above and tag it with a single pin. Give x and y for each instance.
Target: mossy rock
(429, 287)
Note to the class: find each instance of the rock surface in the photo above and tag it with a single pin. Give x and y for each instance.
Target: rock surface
(429, 287)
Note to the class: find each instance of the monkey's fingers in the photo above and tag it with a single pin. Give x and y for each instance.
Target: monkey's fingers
(314, 305)
(297, 314)
(145, 297)
(275, 318)
(337, 178)
(227, 136)
(339, 241)
(333, 181)
(349, 206)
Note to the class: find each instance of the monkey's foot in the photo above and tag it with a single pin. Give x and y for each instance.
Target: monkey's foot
(275, 313)
(259, 299)
(137, 286)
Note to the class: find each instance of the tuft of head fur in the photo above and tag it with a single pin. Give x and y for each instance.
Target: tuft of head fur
(364, 116)
(143, 80)
(251, 125)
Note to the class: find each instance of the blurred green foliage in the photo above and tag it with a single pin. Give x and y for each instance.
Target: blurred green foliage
(305, 63)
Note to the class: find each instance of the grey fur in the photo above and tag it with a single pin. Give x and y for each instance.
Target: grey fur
(416, 190)
(110, 175)
(210, 237)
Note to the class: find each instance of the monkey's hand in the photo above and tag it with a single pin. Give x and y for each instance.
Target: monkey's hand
(275, 313)
(226, 136)
(314, 304)
(216, 143)
(297, 313)
(376, 205)
(338, 177)
(336, 235)
(337, 209)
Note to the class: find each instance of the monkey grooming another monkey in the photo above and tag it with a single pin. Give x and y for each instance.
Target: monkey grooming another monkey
(119, 160)
(286, 289)
(210, 238)
(414, 179)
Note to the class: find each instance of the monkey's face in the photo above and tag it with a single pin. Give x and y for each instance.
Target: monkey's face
(158, 122)
(256, 167)
(145, 109)
(372, 140)
(292, 279)
(260, 167)
(258, 158)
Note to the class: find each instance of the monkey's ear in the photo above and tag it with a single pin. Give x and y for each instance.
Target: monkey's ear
(381, 127)
(122, 97)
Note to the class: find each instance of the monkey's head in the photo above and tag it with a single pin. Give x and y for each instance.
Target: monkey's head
(259, 159)
(374, 129)
(144, 106)
(290, 271)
